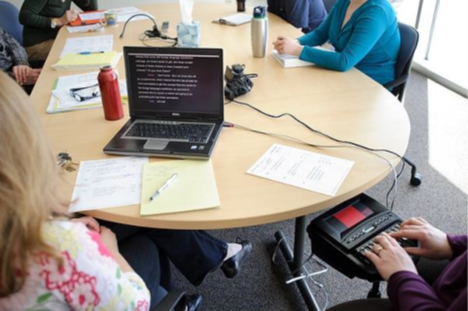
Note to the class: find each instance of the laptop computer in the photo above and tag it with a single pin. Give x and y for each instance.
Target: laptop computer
(176, 102)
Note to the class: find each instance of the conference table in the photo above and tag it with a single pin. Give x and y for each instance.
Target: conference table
(349, 106)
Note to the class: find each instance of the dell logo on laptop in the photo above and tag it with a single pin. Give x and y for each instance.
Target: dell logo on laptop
(175, 114)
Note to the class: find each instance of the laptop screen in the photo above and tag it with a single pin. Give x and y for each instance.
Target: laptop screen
(175, 82)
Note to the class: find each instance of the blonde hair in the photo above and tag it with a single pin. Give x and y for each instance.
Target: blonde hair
(29, 178)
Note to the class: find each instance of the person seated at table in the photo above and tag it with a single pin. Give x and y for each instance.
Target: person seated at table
(442, 280)
(48, 261)
(14, 61)
(364, 34)
(305, 14)
(42, 20)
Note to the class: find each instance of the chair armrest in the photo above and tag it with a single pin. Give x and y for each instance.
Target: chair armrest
(400, 80)
(175, 300)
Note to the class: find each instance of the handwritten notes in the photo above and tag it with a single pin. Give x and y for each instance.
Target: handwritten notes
(303, 169)
(88, 44)
(108, 183)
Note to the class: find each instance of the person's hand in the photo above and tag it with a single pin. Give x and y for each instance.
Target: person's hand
(89, 222)
(389, 257)
(32, 77)
(68, 17)
(109, 240)
(21, 73)
(433, 242)
(285, 45)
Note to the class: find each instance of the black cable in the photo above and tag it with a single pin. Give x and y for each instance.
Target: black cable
(132, 17)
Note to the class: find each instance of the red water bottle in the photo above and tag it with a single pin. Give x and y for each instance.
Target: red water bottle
(110, 94)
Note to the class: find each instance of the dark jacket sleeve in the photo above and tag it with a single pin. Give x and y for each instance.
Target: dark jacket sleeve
(458, 243)
(16, 51)
(87, 5)
(29, 14)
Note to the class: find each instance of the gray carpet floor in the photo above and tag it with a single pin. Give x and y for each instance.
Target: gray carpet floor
(439, 147)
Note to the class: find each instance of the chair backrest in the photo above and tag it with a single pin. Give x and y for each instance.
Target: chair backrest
(409, 42)
(329, 4)
(9, 20)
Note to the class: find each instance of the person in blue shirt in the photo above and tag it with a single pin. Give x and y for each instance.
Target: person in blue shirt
(305, 14)
(364, 33)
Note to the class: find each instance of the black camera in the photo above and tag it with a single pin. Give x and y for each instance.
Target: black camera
(237, 83)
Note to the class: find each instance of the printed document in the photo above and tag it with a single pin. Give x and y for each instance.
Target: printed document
(303, 169)
(88, 44)
(108, 183)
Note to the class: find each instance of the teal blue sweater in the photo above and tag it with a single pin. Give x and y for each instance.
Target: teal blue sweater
(369, 41)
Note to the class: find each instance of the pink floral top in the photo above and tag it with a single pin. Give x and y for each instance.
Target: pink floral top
(90, 279)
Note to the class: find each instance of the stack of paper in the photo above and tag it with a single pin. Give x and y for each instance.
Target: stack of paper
(194, 189)
(84, 53)
(62, 101)
(123, 14)
(90, 44)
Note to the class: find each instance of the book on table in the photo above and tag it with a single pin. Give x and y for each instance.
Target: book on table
(290, 61)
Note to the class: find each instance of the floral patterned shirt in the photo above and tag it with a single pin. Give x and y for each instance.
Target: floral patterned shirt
(89, 279)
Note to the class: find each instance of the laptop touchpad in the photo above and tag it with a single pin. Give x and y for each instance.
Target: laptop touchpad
(156, 144)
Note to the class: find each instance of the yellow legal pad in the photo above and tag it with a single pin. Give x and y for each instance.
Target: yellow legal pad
(91, 61)
(194, 188)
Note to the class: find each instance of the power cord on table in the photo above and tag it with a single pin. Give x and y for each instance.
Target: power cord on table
(154, 33)
(350, 144)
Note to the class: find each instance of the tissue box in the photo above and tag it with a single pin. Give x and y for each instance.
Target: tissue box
(188, 35)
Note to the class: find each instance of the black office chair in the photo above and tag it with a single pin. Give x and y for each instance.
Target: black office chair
(176, 300)
(409, 42)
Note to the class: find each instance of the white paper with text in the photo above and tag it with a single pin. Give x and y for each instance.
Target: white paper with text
(303, 169)
(108, 183)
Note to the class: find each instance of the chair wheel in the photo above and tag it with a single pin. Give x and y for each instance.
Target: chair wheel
(416, 179)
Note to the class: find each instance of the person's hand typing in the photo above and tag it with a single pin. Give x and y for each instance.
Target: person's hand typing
(21, 73)
(285, 45)
(389, 257)
(89, 222)
(433, 242)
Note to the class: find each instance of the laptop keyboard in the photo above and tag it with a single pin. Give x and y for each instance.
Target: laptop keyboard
(174, 131)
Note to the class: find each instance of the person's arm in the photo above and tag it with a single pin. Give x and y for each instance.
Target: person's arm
(458, 244)
(17, 52)
(366, 33)
(114, 280)
(29, 14)
(408, 291)
(87, 5)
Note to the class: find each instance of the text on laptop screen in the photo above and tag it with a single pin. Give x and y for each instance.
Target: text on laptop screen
(176, 82)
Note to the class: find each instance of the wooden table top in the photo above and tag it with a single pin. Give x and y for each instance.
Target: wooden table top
(349, 106)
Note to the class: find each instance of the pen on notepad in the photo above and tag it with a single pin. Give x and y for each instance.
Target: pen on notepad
(166, 184)
(90, 52)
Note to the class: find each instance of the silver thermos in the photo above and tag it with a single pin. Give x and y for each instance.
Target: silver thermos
(259, 31)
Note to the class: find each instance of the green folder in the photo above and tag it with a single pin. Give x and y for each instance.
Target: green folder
(193, 189)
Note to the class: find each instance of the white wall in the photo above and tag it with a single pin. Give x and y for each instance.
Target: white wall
(106, 4)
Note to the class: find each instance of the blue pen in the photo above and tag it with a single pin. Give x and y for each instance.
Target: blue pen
(89, 52)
